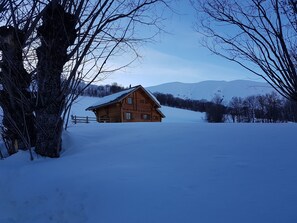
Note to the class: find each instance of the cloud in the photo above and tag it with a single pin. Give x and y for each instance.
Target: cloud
(156, 67)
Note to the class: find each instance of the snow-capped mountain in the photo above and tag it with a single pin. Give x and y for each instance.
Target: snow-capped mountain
(208, 89)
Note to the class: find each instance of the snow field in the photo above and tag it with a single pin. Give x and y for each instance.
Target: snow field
(157, 172)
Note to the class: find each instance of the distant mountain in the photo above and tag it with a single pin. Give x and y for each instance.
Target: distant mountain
(208, 89)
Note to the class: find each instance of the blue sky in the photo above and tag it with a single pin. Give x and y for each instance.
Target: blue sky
(178, 56)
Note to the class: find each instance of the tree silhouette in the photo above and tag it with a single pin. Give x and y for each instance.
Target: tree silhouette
(60, 44)
(259, 35)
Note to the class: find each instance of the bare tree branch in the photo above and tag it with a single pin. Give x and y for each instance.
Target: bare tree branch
(64, 43)
(258, 35)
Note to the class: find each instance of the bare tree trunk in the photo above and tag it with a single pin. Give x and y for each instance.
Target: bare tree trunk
(105, 29)
(15, 99)
(57, 33)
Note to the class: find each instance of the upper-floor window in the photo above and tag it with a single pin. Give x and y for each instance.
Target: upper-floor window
(130, 101)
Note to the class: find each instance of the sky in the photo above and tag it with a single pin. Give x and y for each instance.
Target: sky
(177, 56)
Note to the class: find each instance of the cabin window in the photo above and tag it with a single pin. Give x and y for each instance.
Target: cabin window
(128, 115)
(130, 101)
(146, 116)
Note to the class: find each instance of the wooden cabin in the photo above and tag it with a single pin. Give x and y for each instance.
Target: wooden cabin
(132, 105)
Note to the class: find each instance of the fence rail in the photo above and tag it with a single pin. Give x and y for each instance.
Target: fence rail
(82, 119)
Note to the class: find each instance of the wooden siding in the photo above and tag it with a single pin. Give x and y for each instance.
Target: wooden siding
(142, 109)
(111, 113)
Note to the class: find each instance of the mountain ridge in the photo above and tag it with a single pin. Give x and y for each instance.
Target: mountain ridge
(208, 89)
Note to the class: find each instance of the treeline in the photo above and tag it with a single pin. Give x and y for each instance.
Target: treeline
(261, 108)
(189, 104)
(98, 90)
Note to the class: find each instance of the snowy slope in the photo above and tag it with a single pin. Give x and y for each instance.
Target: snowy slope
(207, 89)
(172, 114)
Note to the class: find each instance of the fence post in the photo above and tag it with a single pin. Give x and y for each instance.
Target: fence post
(75, 119)
(87, 119)
(1, 155)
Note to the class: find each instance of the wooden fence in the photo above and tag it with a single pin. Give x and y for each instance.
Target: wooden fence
(81, 119)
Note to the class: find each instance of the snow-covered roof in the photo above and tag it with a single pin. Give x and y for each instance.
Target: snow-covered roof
(114, 98)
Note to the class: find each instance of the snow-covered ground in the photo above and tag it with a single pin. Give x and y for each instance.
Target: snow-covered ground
(169, 172)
